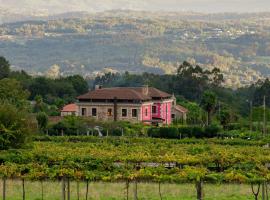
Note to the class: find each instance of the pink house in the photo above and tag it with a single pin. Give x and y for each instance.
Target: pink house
(134, 104)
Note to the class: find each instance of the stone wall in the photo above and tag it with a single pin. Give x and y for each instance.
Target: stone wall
(103, 115)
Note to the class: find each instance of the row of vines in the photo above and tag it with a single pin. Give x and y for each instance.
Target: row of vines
(139, 160)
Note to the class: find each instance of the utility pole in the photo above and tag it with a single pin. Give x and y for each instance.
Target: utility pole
(250, 117)
(219, 109)
(264, 116)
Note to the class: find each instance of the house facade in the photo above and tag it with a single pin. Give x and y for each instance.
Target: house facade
(134, 104)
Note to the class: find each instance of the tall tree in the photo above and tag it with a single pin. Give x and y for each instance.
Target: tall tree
(80, 85)
(208, 103)
(12, 91)
(4, 68)
(16, 126)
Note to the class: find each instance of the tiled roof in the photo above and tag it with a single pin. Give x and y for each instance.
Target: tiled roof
(70, 108)
(181, 108)
(124, 93)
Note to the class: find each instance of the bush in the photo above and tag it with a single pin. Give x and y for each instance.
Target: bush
(191, 131)
(70, 125)
(16, 126)
(169, 132)
(42, 119)
(212, 131)
(198, 132)
(154, 132)
(164, 132)
(116, 132)
(243, 134)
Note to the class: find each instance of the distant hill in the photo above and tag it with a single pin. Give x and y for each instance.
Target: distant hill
(91, 44)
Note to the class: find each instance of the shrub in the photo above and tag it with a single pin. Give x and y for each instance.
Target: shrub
(169, 132)
(212, 131)
(16, 126)
(42, 119)
(70, 125)
(198, 132)
(154, 132)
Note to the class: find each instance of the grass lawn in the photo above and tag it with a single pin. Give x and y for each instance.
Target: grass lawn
(115, 191)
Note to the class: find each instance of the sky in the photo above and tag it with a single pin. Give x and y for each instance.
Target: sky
(206, 6)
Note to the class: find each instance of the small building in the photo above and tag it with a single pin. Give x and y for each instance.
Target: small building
(135, 104)
(70, 109)
(179, 113)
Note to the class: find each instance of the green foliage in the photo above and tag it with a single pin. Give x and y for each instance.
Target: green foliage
(4, 68)
(142, 159)
(42, 119)
(16, 126)
(208, 103)
(79, 84)
(194, 112)
(52, 90)
(12, 91)
(70, 125)
(262, 89)
(164, 132)
(185, 132)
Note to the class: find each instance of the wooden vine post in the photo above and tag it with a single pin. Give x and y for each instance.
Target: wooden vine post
(78, 190)
(68, 189)
(127, 189)
(255, 193)
(199, 190)
(42, 190)
(135, 189)
(63, 189)
(159, 190)
(87, 189)
(4, 188)
(23, 189)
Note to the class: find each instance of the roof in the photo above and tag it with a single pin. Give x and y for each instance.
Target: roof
(124, 93)
(180, 109)
(70, 108)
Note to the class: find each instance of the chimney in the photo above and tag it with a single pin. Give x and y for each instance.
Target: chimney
(97, 87)
(145, 90)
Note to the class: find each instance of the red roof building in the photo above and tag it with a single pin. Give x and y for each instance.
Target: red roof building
(134, 104)
(70, 109)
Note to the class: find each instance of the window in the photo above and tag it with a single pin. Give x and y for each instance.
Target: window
(154, 109)
(109, 113)
(146, 112)
(94, 112)
(83, 111)
(134, 112)
(124, 112)
(173, 116)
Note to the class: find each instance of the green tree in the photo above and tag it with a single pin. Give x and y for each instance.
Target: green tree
(12, 91)
(16, 126)
(42, 119)
(4, 68)
(79, 84)
(208, 103)
(39, 106)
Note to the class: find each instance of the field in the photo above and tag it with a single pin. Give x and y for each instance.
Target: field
(114, 191)
(223, 169)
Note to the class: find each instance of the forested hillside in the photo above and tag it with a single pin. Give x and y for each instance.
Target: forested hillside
(237, 44)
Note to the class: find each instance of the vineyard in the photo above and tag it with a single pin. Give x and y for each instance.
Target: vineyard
(134, 161)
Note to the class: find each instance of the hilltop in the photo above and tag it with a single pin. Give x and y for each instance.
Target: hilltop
(91, 44)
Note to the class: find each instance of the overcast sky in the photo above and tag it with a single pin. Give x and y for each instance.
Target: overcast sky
(58, 6)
